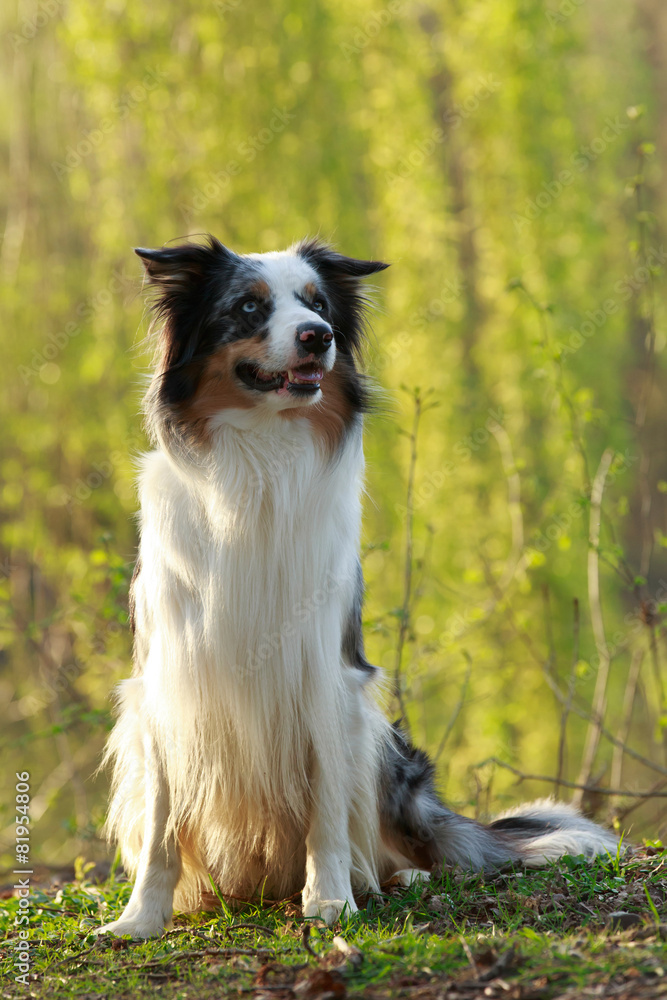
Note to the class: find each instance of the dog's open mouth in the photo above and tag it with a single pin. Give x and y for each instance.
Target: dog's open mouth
(302, 381)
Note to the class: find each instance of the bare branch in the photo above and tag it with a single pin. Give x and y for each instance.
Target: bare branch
(574, 708)
(600, 695)
(650, 793)
(457, 708)
(408, 569)
(517, 558)
(657, 676)
(567, 707)
(628, 705)
(513, 504)
(620, 816)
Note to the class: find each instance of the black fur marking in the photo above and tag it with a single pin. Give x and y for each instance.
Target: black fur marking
(408, 772)
(522, 826)
(353, 638)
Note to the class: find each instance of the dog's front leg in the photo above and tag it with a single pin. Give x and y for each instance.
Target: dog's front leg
(149, 910)
(328, 889)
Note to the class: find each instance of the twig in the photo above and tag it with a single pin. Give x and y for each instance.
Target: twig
(457, 708)
(513, 503)
(657, 673)
(408, 569)
(542, 312)
(582, 713)
(271, 987)
(58, 910)
(517, 558)
(648, 794)
(614, 740)
(73, 958)
(628, 705)
(648, 338)
(166, 960)
(68, 761)
(469, 955)
(620, 816)
(567, 707)
(257, 927)
(600, 695)
(546, 601)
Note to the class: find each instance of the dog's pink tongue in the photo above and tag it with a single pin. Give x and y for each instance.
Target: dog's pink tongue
(305, 376)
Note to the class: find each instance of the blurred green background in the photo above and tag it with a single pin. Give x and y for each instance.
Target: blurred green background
(509, 158)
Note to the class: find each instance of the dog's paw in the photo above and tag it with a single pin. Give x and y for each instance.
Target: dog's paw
(328, 909)
(412, 876)
(140, 925)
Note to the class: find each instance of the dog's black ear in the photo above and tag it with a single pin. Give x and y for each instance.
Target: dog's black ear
(178, 267)
(347, 297)
(186, 280)
(332, 264)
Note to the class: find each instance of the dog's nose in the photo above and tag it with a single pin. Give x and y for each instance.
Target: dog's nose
(313, 338)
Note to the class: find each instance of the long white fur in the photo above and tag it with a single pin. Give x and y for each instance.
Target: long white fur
(245, 744)
(573, 833)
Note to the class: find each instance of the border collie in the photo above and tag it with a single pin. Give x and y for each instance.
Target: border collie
(249, 744)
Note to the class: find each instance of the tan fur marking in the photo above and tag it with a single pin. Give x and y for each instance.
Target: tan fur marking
(218, 387)
(310, 290)
(260, 289)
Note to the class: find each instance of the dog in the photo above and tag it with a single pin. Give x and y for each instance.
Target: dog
(249, 745)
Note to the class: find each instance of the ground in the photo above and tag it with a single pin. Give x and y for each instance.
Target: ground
(572, 930)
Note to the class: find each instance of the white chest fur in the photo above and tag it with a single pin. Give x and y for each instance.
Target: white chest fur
(248, 574)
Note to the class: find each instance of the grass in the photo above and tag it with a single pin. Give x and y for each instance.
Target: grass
(518, 934)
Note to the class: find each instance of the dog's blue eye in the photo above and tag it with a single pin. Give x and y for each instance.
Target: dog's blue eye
(250, 306)
(318, 305)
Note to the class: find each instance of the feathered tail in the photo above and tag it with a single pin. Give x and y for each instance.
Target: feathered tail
(420, 831)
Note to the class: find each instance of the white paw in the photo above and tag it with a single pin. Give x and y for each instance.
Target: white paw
(328, 909)
(140, 925)
(412, 876)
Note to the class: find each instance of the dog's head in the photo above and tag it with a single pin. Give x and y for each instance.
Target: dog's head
(280, 331)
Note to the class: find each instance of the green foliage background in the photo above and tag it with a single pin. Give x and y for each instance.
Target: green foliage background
(500, 153)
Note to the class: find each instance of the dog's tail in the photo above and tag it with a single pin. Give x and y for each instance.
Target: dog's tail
(419, 831)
